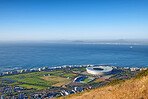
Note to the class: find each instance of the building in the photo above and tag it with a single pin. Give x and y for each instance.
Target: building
(45, 68)
(78, 89)
(40, 69)
(27, 70)
(2, 97)
(1, 74)
(99, 70)
(14, 72)
(21, 96)
(13, 97)
(22, 71)
(8, 73)
(78, 79)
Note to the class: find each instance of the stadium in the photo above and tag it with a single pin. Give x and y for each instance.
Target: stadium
(83, 79)
(99, 70)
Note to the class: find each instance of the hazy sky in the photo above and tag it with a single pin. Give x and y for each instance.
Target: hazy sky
(73, 19)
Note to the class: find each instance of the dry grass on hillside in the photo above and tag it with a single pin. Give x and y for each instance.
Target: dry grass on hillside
(130, 89)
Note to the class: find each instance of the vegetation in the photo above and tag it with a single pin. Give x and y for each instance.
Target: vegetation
(58, 81)
(86, 80)
(68, 75)
(79, 69)
(115, 81)
(118, 89)
(96, 81)
(32, 86)
(124, 74)
(33, 80)
(37, 80)
(116, 86)
(142, 74)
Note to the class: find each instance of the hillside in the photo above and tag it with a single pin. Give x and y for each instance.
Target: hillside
(136, 88)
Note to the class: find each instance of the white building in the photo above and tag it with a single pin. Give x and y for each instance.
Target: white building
(2, 97)
(99, 70)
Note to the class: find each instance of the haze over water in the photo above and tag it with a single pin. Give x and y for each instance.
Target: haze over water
(24, 56)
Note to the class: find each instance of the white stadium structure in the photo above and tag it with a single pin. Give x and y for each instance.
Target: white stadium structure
(99, 70)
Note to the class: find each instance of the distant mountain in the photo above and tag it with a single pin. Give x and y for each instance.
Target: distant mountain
(119, 41)
(78, 41)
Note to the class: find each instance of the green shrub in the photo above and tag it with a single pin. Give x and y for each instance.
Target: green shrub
(142, 73)
(115, 81)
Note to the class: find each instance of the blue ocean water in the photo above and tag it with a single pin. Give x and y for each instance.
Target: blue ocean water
(23, 56)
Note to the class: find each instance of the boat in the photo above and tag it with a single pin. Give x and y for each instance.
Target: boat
(131, 46)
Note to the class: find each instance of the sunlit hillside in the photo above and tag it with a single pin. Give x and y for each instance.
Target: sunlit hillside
(136, 88)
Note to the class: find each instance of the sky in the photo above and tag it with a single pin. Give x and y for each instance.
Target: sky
(73, 19)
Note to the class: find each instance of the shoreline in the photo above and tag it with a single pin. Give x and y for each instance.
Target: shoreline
(116, 43)
(20, 68)
(22, 71)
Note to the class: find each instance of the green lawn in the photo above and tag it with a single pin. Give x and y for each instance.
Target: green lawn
(86, 80)
(79, 69)
(68, 75)
(32, 86)
(32, 80)
(96, 81)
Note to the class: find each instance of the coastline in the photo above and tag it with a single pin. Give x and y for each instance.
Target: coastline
(15, 72)
(117, 43)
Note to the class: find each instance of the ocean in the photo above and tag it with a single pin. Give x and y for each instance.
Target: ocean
(35, 55)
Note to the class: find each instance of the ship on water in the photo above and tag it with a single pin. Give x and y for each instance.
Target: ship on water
(131, 46)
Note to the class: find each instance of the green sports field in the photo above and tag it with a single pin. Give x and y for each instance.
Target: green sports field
(35, 79)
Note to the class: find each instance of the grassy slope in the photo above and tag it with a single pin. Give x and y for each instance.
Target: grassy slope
(136, 88)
